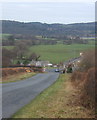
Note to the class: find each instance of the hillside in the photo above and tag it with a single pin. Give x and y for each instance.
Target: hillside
(49, 30)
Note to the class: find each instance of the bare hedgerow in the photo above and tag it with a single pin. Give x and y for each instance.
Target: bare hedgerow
(88, 60)
(85, 79)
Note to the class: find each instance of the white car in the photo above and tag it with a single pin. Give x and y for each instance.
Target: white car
(57, 70)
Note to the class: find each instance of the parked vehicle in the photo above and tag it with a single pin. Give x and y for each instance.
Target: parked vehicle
(69, 70)
(64, 71)
(57, 70)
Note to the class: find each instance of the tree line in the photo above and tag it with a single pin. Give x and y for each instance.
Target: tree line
(18, 55)
(30, 40)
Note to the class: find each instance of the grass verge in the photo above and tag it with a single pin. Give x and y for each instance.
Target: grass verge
(17, 77)
(55, 102)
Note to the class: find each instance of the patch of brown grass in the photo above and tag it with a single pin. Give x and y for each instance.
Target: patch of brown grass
(77, 78)
(16, 77)
(12, 71)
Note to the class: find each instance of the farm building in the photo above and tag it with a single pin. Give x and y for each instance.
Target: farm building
(40, 63)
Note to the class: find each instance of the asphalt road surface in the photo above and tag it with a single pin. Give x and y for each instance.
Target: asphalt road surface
(17, 94)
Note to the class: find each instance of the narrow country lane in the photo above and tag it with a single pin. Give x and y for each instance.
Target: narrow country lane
(17, 94)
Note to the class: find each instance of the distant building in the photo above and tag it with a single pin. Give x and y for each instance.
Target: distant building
(40, 63)
(73, 61)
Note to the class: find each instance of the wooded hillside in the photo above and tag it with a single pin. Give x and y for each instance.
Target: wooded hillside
(48, 30)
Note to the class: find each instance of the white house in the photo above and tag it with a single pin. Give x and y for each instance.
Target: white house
(40, 63)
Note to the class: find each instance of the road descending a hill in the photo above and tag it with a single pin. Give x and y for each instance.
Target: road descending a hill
(17, 94)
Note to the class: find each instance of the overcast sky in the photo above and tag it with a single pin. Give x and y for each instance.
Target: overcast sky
(49, 12)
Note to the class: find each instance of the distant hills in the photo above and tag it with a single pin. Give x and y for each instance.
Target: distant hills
(49, 30)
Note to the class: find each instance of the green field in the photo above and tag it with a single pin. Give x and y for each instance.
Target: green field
(59, 53)
(5, 35)
(8, 47)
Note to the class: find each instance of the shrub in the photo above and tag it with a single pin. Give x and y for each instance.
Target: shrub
(88, 60)
(88, 89)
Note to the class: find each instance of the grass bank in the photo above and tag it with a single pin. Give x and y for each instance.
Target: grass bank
(17, 77)
(55, 102)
